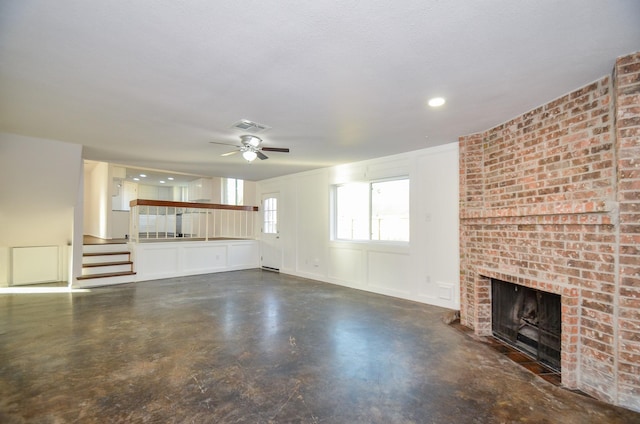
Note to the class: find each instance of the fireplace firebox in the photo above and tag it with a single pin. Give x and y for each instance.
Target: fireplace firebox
(528, 319)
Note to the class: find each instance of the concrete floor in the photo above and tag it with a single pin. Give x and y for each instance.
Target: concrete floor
(259, 347)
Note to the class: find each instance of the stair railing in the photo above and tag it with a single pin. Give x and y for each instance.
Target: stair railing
(167, 220)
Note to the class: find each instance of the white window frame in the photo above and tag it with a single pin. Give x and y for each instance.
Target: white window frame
(369, 239)
(238, 193)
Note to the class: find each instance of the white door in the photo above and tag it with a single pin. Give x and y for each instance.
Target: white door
(271, 252)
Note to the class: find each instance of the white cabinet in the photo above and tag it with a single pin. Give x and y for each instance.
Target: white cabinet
(200, 190)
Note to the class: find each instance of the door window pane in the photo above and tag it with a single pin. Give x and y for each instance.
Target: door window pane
(270, 216)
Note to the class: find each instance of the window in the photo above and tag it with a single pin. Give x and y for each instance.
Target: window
(352, 211)
(232, 191)
(372, 211)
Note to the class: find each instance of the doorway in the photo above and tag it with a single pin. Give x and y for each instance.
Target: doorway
(271, 250)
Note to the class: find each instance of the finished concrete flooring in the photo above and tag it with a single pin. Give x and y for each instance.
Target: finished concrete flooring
(259, 347)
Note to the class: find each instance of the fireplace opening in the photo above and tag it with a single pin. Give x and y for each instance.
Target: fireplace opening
(529, 320)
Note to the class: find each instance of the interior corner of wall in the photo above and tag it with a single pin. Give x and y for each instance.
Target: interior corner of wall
(4, 266)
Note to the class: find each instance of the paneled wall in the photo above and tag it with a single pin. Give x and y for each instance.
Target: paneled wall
(175, 259)
(424, 270)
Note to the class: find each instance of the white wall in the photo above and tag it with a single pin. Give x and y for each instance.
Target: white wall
(97, 199)
(425, 270)
(38, 195)
(75, 260)
(152, 192)
(249, 193)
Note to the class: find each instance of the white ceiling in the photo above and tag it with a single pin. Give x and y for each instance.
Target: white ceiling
(150, 83)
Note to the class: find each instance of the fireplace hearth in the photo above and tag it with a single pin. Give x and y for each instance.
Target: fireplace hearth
(529, 320)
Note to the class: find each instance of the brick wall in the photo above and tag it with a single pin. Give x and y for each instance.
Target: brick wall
(551, 200)
(627, 101)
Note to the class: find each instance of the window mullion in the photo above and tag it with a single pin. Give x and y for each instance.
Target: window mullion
(370, 211)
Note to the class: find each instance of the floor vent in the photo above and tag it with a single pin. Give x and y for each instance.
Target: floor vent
(268, 268)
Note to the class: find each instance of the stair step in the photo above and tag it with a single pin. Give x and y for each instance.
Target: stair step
(92, 265)
(106, 275)
(103, 248)
(101, 268)
(100, 259)
(124, 252)
(105, 264)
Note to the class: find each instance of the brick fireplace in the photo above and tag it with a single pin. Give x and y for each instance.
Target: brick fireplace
(551, 201)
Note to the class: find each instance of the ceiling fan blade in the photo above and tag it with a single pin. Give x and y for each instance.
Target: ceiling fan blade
(230, 153)
(224, 144)
(275, 149)
(261, 155)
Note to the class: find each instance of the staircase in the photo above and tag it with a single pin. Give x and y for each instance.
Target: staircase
(104, 264)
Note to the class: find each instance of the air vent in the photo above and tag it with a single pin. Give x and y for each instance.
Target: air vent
(249, 126)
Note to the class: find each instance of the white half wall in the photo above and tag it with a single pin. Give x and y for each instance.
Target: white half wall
(424, 270)
(175, 259)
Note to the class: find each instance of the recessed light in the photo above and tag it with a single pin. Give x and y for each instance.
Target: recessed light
(436, 102)
(143, 175)
(162, 181)
(170, 178)
(136, 179)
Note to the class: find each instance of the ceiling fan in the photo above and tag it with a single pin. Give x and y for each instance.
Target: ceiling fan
(250, 147)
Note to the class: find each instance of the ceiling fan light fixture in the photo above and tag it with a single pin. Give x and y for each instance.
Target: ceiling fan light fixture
(251, 148)
(437, 101)
(251, 140)
(249, 155)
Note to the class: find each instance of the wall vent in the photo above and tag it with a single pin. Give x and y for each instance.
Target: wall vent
(249, 126)
(35, 265)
